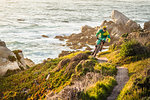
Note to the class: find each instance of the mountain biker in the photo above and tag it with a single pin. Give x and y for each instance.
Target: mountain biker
(102, 35)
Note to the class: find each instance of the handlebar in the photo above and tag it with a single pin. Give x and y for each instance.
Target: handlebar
(101, 40)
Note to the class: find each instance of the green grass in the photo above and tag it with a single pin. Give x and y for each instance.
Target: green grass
(106, 69)
(100, 90)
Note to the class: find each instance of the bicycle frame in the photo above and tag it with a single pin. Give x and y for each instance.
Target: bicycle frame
(98, 48)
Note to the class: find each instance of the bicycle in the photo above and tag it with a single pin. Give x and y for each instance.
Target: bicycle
(98, 48)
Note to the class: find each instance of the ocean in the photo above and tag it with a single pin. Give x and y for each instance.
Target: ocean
(23, 22)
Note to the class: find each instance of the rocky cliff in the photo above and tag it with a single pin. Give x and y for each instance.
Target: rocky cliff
(10, 60)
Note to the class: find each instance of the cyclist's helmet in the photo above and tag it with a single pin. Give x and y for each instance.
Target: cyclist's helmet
(104, 27)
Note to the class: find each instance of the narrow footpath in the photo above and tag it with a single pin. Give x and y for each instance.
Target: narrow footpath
(121, 78)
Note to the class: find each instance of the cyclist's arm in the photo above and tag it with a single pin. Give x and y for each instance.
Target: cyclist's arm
(97, 34)
(108, 36)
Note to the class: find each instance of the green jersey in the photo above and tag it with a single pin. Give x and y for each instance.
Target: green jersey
(103, 34)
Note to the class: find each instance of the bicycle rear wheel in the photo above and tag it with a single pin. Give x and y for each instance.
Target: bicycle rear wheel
(96, 51)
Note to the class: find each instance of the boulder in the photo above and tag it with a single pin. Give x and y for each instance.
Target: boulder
(85, 28)
(20, 59)
(45, 36)
(132, 26)
(29, 62)
(9, 60)
(2, 43)
(119, 18)
(8, 66)
(147, 26)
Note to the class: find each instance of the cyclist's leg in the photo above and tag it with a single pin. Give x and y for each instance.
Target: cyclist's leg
(94, 49)
(102, 44)
(97, 43)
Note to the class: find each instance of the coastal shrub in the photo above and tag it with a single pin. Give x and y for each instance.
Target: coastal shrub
(132, 48)
(16, 53)
(100, 90)
(125, 35)
(113, 47)
(11, 58)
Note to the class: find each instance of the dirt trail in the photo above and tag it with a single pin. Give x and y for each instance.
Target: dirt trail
(121, 78)
(102, 59)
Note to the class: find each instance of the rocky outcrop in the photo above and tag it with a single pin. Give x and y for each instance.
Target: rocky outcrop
(119, 18)
(2, 43)
(80, 40)
(63, 53)
(119, 25)
(10, 60)
(20, 59)
(147, 26)
(29, 62)
(45, 36)
(7, 59)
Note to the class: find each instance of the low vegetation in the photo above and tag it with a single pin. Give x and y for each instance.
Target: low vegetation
(34, 82)
(132, 53)
(100, 90)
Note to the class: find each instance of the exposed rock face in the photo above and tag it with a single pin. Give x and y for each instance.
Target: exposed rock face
(29, 62)
(2, 43)
(147, 26)
(5, 63)
(119, 18)
(119, 25)
(9, 60)
(141, 37)
(20, 59)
